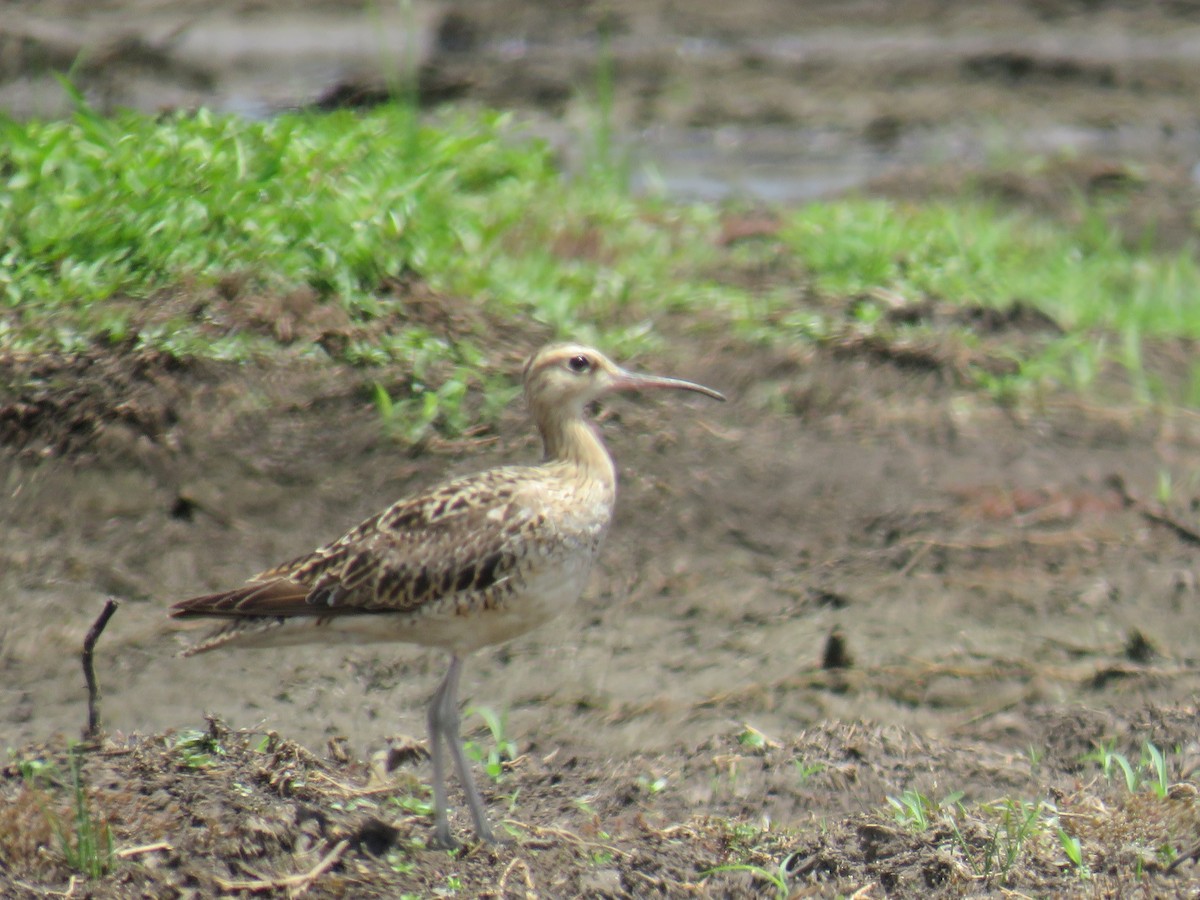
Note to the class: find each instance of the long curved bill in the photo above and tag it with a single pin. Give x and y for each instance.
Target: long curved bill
(635, 381)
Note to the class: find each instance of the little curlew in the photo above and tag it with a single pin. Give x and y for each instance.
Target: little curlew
(475, 561)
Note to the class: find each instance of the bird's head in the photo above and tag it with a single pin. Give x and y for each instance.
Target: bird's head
(563, 378)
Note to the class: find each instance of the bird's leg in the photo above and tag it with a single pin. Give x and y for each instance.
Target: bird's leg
(454, 742)
(444, 727)
(442, 699)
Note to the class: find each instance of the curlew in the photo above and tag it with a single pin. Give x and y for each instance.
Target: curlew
(475, 561)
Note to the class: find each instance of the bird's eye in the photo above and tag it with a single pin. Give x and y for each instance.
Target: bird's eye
(579, 364)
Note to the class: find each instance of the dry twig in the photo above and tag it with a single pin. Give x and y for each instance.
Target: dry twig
(144, 848)
(294, 884)
(568, 836)
(89, 668)
(502, 885)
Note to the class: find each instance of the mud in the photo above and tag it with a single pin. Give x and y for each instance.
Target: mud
(999, 582)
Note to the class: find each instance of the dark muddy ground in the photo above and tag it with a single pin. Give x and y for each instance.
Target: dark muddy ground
(1007, 593)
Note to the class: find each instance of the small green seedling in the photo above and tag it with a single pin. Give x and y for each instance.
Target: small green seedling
(1074, 851)
(502, 749)
(753, 739)
(1017, 823)
(807, 770)
(913, 810)
(777, 878)
(1164, 490)
(196, 748)
(1153, 762)
(651, 785)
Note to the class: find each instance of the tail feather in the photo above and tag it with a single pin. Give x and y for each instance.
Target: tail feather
(280, 597)
(234, 631)
(249, 612)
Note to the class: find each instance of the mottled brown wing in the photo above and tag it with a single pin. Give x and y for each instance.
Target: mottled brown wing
(464, 536)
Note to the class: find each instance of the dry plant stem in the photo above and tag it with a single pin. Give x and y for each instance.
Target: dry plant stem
(89, 668)
(46, 892)
(568, 836)
(294, 884)
(129, 852)
(502, 884)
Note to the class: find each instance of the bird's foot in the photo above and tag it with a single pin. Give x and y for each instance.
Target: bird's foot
(498, 840)
(444, 840)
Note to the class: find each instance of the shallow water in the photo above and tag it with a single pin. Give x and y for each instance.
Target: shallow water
(788, 165)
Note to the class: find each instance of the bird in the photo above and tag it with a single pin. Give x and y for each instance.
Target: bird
(472, 562)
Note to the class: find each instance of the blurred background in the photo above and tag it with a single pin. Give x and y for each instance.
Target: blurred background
(768, 100)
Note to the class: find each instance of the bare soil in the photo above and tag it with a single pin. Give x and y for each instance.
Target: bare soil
(896, 583)
(997, 581)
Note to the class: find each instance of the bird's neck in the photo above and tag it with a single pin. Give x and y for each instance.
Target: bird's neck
(575, 441)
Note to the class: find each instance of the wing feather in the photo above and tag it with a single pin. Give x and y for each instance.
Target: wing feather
(467, 535)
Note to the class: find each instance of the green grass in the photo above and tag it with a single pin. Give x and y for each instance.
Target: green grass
(106, 222)
(102, 218)
(1014, 824)
(915, 811)
(776, 878)
(1129, 807)
(1073, 850)
(83, 837)
(992, 838)
(973, 252)
(1107, 298)
(1153, 770)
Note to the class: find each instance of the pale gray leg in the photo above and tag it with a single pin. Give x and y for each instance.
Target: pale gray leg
(443, 727)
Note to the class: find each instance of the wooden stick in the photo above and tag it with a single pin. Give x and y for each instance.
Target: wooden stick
(89, 668)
